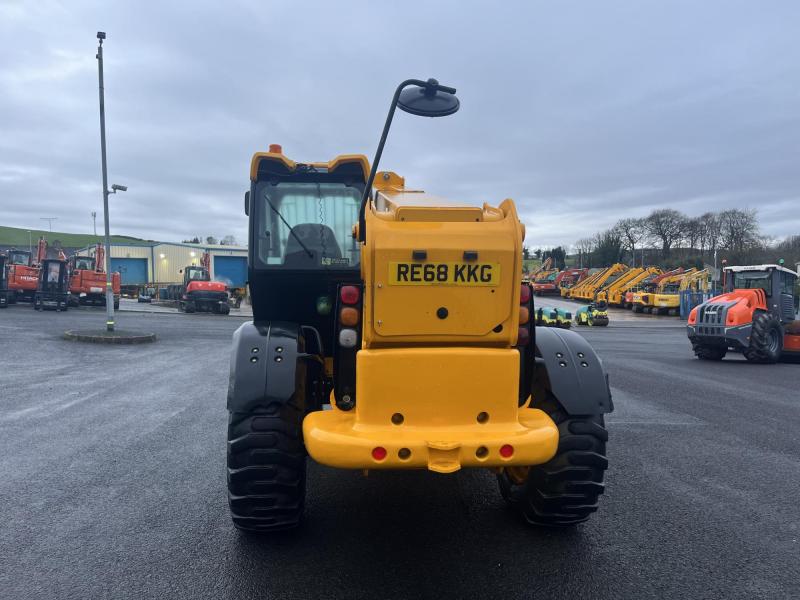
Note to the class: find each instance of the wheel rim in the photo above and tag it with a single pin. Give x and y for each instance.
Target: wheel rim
(774, 341)
(516, 475)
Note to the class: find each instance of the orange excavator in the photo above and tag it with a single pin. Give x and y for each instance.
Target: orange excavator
(22, 273)
(198, 293)
(755, 316)
(554, 283)
(87, 282)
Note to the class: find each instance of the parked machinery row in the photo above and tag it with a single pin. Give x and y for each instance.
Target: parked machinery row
(51, 281)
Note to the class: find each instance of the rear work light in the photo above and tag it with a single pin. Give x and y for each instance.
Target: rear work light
(524, 294)
(349, 294)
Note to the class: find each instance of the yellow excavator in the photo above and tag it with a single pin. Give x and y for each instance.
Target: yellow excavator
(669, 301)
(588, 292)
(643, 300)
(542, 271)
(568, 292)
(615, 295)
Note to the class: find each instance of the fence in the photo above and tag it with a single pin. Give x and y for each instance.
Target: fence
(691, 299)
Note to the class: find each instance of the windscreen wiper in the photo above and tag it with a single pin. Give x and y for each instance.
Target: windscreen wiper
(291, 230)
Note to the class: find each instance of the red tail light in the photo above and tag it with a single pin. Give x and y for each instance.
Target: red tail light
(507, 451)
(524, 294)
(523, 337)
(379, 453)
(349, 294)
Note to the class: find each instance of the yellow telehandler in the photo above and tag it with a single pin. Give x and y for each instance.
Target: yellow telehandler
(392, 330)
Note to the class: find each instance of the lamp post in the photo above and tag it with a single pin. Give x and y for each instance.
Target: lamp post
(30, 241)
(114, 188)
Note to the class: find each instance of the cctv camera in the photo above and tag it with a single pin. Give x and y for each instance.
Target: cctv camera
(101, 35)
(119, 188)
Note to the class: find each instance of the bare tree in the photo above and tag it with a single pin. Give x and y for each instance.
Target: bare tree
(585, 247)
(228, 240)
(709, 232)
(692, 228)
(608, 247)
(632, 231)
(665, 226)
(738, 231)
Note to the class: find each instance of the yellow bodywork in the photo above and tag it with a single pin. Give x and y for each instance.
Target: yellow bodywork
(646, 300)
(671, 300)
(436, 392)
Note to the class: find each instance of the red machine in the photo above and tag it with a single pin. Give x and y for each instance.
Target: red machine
(565, 278)
(23, 272)
(87, 283)
(198, 293)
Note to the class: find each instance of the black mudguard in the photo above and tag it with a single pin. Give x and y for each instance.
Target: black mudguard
(267, 368)
(568, 366)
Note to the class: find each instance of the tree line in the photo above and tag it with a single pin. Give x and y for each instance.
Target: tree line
(669, 238)
(228, 240)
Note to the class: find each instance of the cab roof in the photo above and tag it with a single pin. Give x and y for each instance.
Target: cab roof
(737, 269)
(265, 163)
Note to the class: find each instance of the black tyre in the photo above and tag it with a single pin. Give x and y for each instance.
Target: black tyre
(224, 308)
(266, 470)
(189, 307)
(637, 308)
(116, 304)
(708, 352)
(564, 491)
(766, 339)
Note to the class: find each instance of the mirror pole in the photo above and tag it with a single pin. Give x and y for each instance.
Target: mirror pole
(362, 226)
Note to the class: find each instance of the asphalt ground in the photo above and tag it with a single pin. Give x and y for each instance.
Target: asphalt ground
(112, 484)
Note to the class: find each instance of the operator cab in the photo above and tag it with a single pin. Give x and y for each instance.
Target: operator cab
(196, 274)
(776, 281)
(82, 263)
(19, 257)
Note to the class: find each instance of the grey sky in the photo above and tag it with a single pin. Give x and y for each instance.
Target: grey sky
(583, 112)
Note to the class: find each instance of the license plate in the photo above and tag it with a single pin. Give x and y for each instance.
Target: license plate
(450, 273)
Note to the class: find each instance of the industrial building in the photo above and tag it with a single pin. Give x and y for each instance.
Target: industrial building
(160, 263)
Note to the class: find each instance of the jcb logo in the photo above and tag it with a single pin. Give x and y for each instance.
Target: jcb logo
(477, 274)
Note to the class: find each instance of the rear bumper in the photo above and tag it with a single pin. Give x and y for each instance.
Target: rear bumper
(207, 296)
(440, 392)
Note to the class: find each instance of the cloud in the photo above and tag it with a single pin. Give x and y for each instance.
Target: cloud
(582, 113)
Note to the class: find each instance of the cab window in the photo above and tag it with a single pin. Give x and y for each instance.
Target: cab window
(306, 225)
(787, 283)
(750, 280)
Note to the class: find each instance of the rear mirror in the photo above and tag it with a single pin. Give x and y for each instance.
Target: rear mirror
(428, 100)
(247, 203)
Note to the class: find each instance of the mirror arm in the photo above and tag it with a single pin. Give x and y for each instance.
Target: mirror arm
(362, 224)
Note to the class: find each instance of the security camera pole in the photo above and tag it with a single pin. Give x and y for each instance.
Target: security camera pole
(114, 188)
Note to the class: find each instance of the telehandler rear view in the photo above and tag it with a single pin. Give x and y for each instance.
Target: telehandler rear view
(391, 330)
